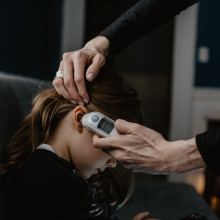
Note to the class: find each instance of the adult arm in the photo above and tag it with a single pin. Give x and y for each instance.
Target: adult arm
(143, 17)
(144, 150)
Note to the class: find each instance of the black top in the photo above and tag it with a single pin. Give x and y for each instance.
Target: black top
(208, 144)
(142, 18)
(47, 187)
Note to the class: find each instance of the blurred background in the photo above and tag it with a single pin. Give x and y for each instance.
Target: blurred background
(175, 68)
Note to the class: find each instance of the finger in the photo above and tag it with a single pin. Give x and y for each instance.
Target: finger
(61, 90)
(108, 143)
(59, 85)
(79, 78)
(69, 82)
(124, 127)
(97, 62)
(120, 156)
(107, 148)
(133, 165)
(140, 216)
(114, 146)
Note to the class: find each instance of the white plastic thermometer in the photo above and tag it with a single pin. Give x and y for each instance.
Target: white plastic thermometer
(99, 124)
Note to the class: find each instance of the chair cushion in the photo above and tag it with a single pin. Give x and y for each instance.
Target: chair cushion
(16, 95)
(166, 201)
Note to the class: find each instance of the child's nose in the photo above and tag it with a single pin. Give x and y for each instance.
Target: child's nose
(112, 162)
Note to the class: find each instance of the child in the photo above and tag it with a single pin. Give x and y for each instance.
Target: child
(51, 169)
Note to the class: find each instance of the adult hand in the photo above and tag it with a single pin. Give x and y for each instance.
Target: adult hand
(74, 64)
(142, 216)
(145, 150)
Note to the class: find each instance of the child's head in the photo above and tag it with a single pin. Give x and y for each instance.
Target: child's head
(73, 142)
(57, 122)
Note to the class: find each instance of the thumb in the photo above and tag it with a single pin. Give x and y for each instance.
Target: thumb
(97, 62)
(123, 127)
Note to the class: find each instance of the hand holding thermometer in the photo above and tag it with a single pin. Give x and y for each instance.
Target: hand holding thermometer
(99, 124)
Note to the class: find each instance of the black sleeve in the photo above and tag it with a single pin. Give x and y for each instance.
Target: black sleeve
(208, 144)
(142, 18)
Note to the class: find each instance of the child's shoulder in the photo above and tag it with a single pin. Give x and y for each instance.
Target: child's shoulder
(43, 160)
(44, 167)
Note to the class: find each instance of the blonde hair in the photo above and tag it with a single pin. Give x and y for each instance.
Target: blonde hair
(109, 93)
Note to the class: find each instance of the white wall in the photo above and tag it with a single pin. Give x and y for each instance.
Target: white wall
(182, 86)
(183, 72)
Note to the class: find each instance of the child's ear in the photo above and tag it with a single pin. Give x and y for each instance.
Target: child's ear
(78, 113)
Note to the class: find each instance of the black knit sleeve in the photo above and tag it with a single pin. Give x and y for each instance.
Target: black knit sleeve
(142, 18)
(208, 144)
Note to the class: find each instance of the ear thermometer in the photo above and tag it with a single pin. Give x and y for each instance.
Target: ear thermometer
(99, 124)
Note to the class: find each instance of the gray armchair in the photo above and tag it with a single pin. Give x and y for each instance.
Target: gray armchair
(167, 201)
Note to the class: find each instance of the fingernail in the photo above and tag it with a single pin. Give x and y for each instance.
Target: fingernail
(74, 102)
(80, 103)
(90, 76)
(86, 101)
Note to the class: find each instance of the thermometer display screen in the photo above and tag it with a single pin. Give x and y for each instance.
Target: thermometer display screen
(106, 125)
